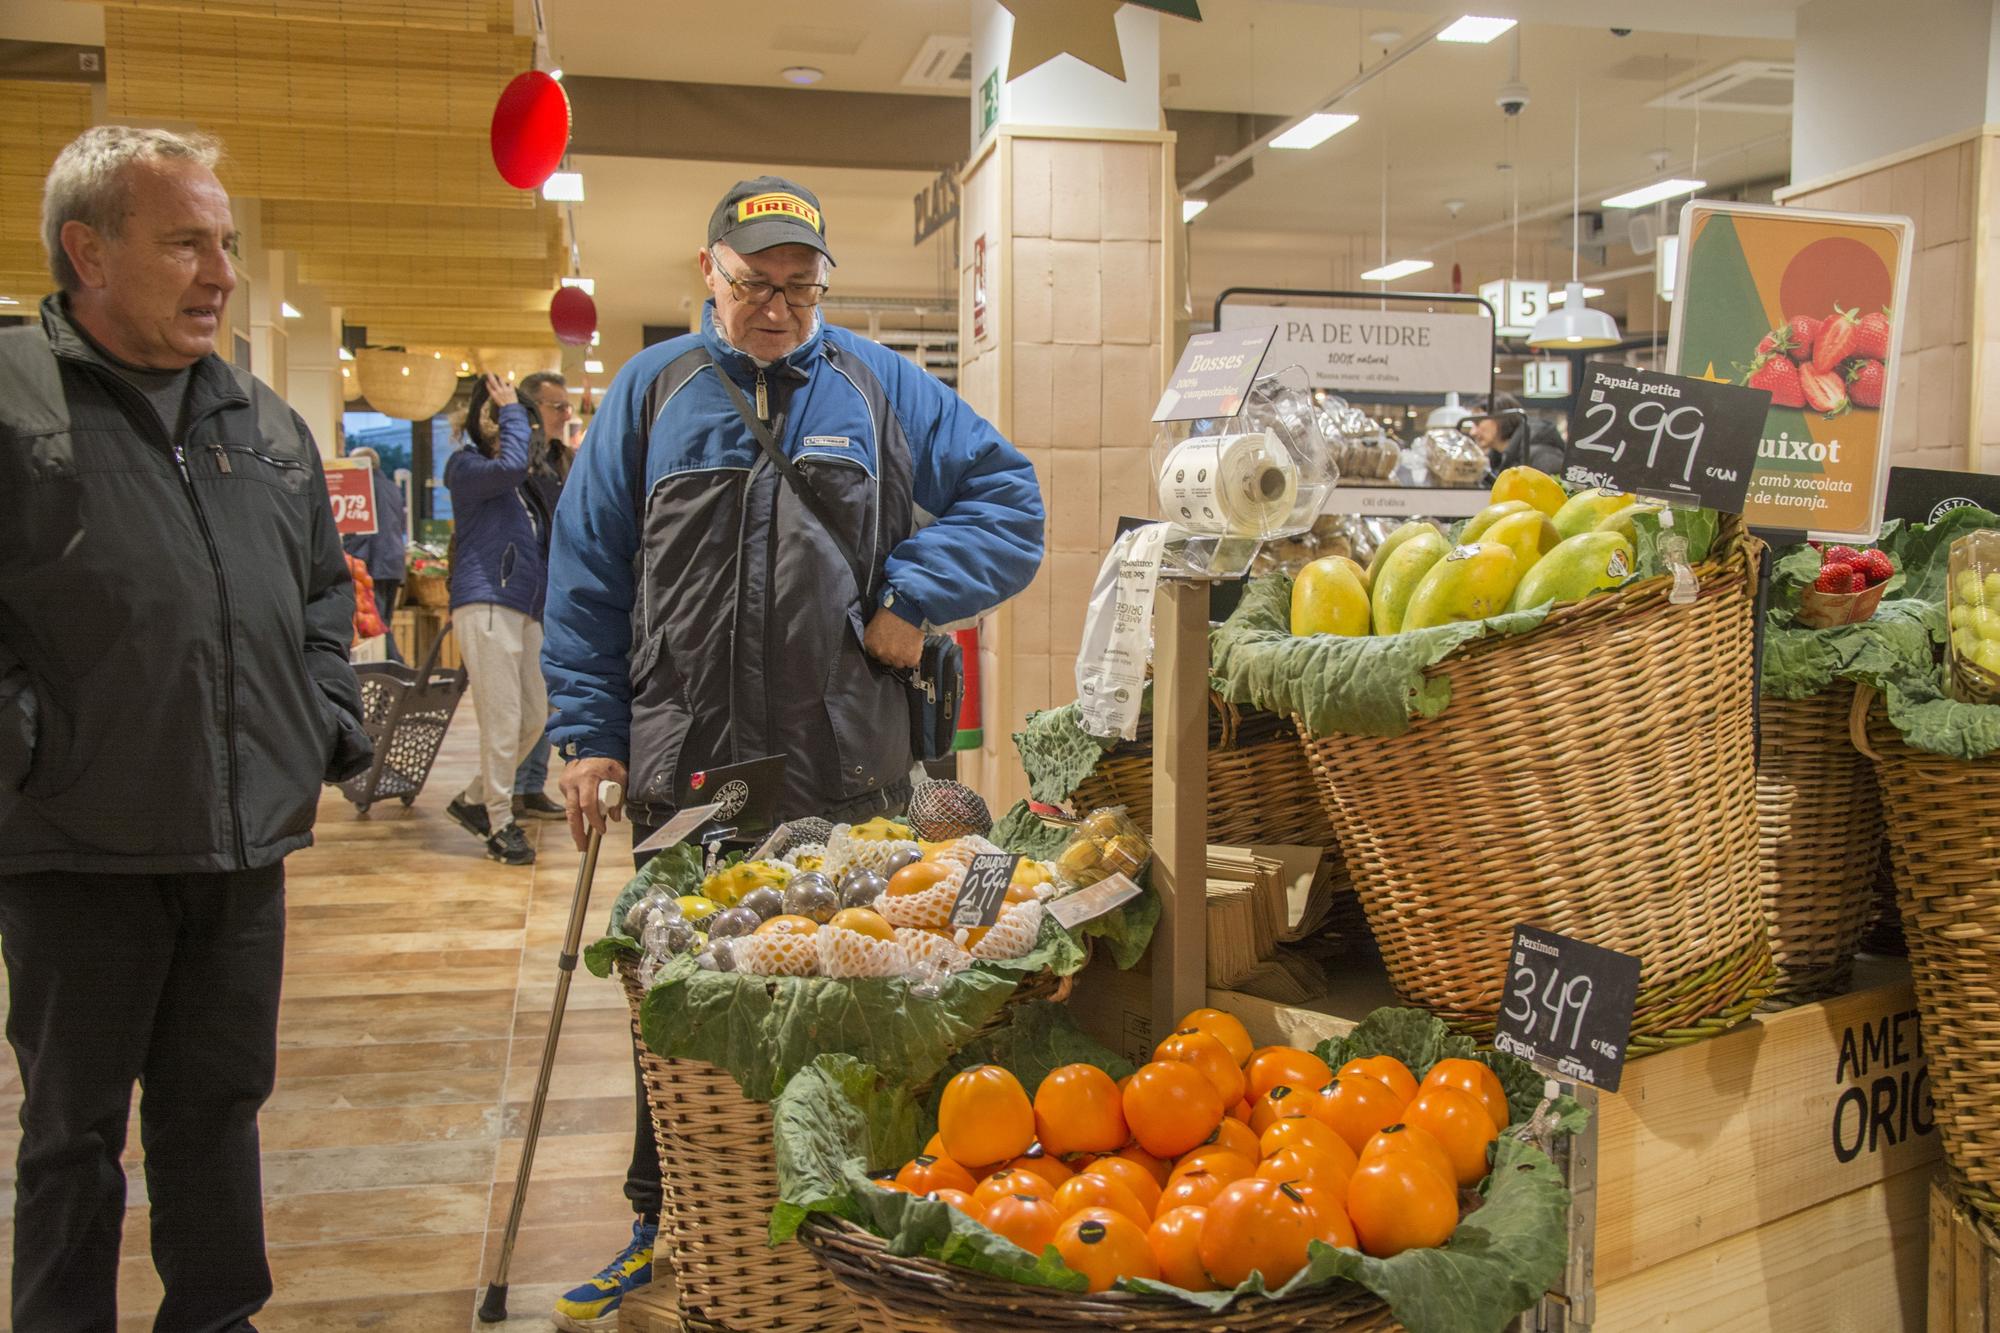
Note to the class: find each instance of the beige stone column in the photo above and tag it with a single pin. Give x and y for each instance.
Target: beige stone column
(1067, 357)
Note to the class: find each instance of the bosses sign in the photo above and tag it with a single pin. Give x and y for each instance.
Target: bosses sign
(1376, 351)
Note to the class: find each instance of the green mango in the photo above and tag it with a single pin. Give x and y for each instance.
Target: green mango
(1470, 583)
(1587, 510)
(1476, 526)
(1416, 527)
(1578, 567)
(1398, 578)
(1529, 535)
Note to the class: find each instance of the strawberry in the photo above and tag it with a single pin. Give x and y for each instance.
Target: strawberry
(1776, 373)
(1825, 390)
(1841, 555)
(1794, 338)
(1876, 565)
(1865, 383)
(1871, 338)
(1834, 342)
(1835, 578)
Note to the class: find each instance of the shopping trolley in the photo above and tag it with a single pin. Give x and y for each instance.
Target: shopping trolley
(406, 712)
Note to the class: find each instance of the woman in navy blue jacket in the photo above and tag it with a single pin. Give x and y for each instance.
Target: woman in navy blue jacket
(499, 576)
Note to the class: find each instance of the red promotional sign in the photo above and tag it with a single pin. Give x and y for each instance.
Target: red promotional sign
(350, 485)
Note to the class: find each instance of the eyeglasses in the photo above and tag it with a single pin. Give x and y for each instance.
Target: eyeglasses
(798, 295)
(562, 406)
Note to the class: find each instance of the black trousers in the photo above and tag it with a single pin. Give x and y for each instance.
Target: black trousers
(172, 981)
(386, 596)
(642, 1177)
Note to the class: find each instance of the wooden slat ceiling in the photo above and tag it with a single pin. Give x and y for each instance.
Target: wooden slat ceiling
(372, 269)
(411, 229)
(363, 166)
(267, 71)
(494, 300)
(456, 15)
(36, 120)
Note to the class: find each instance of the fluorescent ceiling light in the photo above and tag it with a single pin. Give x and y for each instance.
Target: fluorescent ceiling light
(346, 355)
(1314, 130)
(8, 300)
(564, 187)
(801, 75)
(556, 74)
(1557, 298)
(596, 338)
(1191, 209)
(1652, 194)
(1401, 268)
(593, 367)
(589, 285)
(288, 310)
(1474, 30)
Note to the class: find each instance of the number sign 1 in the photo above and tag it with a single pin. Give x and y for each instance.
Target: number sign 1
(1688, 441)
(1567, 1006)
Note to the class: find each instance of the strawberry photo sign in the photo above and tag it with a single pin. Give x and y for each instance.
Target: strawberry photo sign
(1801, 305)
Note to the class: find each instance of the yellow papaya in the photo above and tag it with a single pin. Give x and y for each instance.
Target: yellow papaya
(1578, 567)
(1538, 488)
(1476, 527)
(1327, 598)
(1416, 527)
(1529, 535)
(1587, 509)
(1470, 583)
(1399, 576)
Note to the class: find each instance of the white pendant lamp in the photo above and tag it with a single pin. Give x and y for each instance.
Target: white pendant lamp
(1575, 327)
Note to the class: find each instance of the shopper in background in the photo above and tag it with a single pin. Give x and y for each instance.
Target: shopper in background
(384, 550)
(700, 613)
(174, 618)
(499, 574)
(546, 397)
(1513, 438)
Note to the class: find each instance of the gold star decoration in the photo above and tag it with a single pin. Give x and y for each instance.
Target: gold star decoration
(1045, 29)
(1714, 378)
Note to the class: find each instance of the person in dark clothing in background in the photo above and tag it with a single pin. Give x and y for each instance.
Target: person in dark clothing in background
(383, 550)
(174, 687)
(546, 396)
(1513, 438)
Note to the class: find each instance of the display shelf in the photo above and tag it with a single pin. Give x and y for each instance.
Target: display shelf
(653, 1308)
(1964, 1286)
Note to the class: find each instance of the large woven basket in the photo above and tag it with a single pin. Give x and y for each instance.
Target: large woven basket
(1595, 777)
(431, 590)
(1819, 835)
(1259, 788)
(719, 1178)
(1944, 838)
(912, 1294)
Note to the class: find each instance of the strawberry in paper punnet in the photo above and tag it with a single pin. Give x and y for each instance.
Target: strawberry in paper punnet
(1876, 565)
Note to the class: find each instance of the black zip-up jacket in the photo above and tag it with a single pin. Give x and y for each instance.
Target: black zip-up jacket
(174, 622)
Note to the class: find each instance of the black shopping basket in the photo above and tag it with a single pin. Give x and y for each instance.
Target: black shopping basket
(407, 713)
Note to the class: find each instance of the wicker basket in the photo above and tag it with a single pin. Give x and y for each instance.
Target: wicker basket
(1944, 838)
(1884, 934)
(431, 590)
(912, 1294)
(1819, 837)
(1594, 776)
(1259, 788)
(719, 1178)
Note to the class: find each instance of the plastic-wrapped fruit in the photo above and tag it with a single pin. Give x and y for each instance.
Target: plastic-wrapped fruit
(860, 888)
(902, 856)
(733, 922)
(679, 937)
(863, 922)
(635, 915)
(766, 903)
(812, 895)
(723, 951)
(1078, 859)
(917, 878)
(1125, 854)
(697, 909)
(789, 924)
(1104, 823)
(705, 960)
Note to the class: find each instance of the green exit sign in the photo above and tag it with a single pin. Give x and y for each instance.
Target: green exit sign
(989, 102)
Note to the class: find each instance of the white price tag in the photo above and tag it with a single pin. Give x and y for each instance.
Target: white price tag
(675, 830)
(1113, 891)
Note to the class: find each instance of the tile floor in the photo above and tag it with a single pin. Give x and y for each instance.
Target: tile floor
(418, 980)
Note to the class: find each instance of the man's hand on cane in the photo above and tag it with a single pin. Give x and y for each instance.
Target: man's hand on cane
(580, 779)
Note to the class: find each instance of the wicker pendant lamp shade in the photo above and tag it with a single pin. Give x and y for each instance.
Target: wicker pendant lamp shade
(515, 364)
(410, 386)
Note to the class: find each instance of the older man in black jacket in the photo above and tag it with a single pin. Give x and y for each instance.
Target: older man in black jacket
(174, 619)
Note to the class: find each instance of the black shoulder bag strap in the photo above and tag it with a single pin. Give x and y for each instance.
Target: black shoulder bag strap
(864, 577)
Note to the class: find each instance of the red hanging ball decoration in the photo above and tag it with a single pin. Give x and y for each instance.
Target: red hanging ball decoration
(573, 315)
(530, 129)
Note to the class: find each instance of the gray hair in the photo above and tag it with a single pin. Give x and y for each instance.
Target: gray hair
(87, 183)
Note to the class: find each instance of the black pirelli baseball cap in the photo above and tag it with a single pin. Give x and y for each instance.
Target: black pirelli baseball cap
(770, 210)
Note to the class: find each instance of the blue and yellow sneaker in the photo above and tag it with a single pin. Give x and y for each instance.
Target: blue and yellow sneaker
(593, 1307)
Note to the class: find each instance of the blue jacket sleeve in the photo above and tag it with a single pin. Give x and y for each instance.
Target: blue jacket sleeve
(587, 625)
(471, 476)
(986, 541)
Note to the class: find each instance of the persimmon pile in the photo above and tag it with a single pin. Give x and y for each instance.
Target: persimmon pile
(1215, 1160)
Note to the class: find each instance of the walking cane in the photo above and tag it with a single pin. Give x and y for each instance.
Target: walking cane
(494, 1308)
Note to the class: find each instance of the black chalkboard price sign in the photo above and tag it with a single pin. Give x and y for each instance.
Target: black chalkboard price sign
(1687, 441)
(1567, 1007)
(984, 889)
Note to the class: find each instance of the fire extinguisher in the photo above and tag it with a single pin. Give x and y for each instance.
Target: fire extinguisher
(970, 736)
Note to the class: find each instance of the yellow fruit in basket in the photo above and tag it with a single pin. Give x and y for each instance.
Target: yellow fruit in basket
(1328, 598)
(1410, 531)
(1538, 488)
(1529, 536)
(1360, 570)
(1578, 567)
(1078, 858)
(862, 921)
(1471, 583)
(1398, 579)
(1030, 874)
(792, 925)
(1476, 526)
(1588, 509)
(696, 908)
(880, 829)
(1622, 523)
(917, 877)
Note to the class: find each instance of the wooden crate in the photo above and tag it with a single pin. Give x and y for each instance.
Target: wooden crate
(1964, 1268)
(1772, 1178)
(654, 1308)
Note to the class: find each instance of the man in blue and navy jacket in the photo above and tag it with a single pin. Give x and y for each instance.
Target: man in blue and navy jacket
(700, 614)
